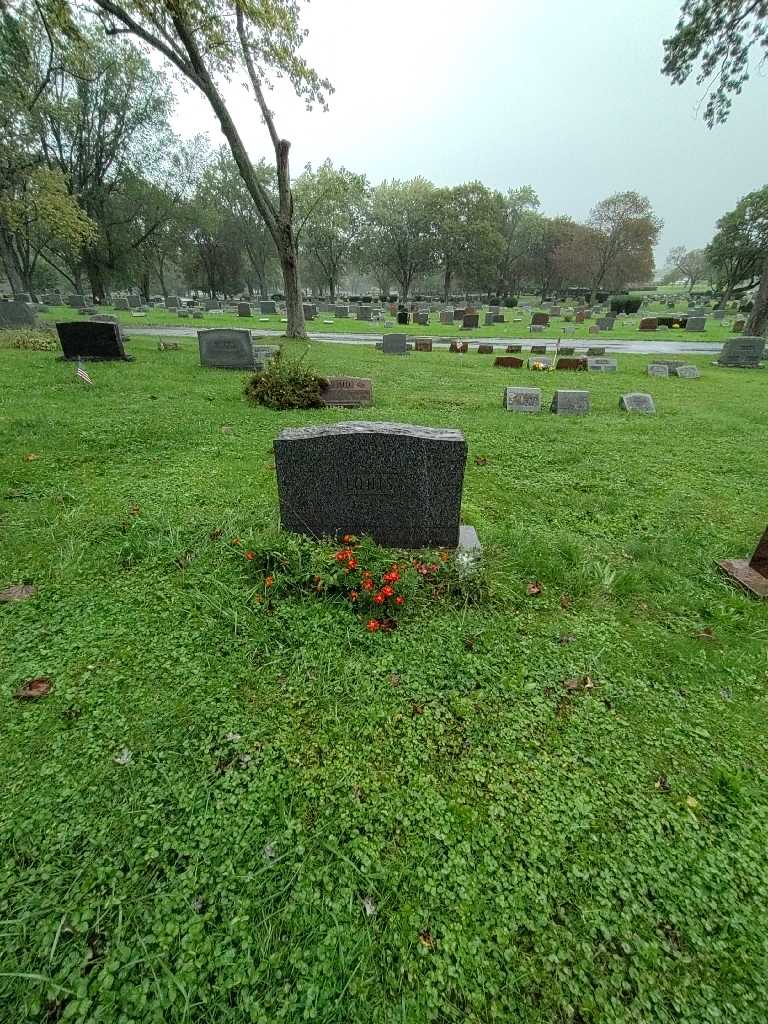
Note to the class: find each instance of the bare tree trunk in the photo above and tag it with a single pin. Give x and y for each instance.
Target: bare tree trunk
(10, 262)
(294, 307)
(161, 275)
(332, 289)
(447, 283)
(144, 285)
(758, 318)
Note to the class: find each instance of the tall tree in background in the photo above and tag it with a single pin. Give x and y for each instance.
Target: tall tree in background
(400, 235)
(690, 264)
(332, 206)
(468, 240)
(623, 232)
(208, 41)
(738, 251)
(717, 37)
(518, 230)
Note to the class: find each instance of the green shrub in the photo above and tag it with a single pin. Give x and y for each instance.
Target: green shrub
(510, 302)
(286, 384)
(625, 304)
(30, 339)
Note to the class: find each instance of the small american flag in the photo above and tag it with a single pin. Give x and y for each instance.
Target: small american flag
(82, 375)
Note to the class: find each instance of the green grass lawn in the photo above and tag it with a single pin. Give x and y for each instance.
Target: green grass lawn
(315, 823)
(714, 330)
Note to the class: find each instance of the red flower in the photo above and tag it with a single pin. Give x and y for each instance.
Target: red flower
(368, 584)
(400, 600)
(250, 555)
(373, 625)
(348, 538)
(378, 599)
(387, 591)
(352, 563)
(269, 581)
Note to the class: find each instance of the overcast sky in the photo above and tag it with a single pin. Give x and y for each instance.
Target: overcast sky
(565, 96)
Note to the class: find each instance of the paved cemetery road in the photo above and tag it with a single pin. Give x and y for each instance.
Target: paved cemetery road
(659, 348)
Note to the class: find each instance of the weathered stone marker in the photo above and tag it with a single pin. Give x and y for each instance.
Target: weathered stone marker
(397, 483)
(16, 314)
(743, 352)
(423, 344)
(600, 365)
(394, 345)
(268, 307)
(522, 399)
(347, 392)
(485, 350)
(658, 370)
(648, 323)
(231, 348)
(688, 372)
(637, 401)
(570, 403)
(752, 573)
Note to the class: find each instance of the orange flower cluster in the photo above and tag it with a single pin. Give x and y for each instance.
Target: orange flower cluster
(367, 588)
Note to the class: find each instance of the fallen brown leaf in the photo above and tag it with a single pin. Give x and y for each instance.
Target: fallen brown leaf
(566, 600)
(30, 457)
(579, 683)
(216, 534)
(425, 938)
(533, 589)
(480, 460)
(417, 709)
(394, 679)
(566, 640)
(34, 689)
(469, 643)
(706, 634)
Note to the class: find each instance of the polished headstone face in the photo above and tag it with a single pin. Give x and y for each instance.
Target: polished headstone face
(364, 312)
(172, 302)
(570, 403)
(540, 320)
(310, 311)
(243, 309)
(571, 363)
(522, 399)
(87, 339)
(658, 370)
(745, 351)
(394, 344)
(268, 308)
(637, 401)
(567, 350)
(514, 348)
(695, 323)
(227, 348)
(347, 392)
(423, 344)
(16, 314)
(508, 362)
(648, 323)
(399, 484)
(470, 320)
(485, 350)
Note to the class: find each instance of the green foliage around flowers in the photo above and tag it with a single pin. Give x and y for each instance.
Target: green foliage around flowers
(379, 585)
(29, 339)
(286, 384)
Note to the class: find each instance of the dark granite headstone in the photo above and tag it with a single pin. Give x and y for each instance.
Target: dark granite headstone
(648, 323)
(446, 316)
(364, 313)
(567, 350)
(399, 484)
(538, 349)
(421, 318)
(394, 345)
(485, 350)
(228, 348)
(596, 350)
(508, 362)
(76, 300)
(268, 307)
(752, 573)
(459, 346)
(744, 352)
(470, 321)
(695, 323)
(540, 320)
(403, 317)
(514, 348)
(310, 311)
(637, 401)
(522, 399)
(347, 392)
(16, 314)
(570, 403)
(244, 309)
(423, 344)
(134, 301)
(571, 363)
(172, 302)
(88, 339)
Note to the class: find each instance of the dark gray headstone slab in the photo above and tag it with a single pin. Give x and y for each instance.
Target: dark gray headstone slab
(399, 484)
(596, 350)
(341, 311)
(522, 399)
(695, 323)
(16, 314)
(745, 351)
(310, 311)
(243, 309)
(394, 345)
(172, 302)
(446, 316)
(89, 339)
(134, 301)
(538, 349)
(470, 321)
(637, 401)
(567, 350)
(570, 403)
(76, 300)
(540, 320)
(348, 392)
(228, 348)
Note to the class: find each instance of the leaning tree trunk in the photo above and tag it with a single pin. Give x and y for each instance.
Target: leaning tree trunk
(758, 318)
(10, 263)
(447, 283)
(294, 306)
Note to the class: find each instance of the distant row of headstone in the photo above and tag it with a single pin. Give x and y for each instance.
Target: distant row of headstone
(566, 402)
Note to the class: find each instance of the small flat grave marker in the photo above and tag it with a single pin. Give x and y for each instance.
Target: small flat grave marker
(687, 372)
(347, 392)
(508, 362)
(637, 401)
(658, 370)
(752, 573)
(570, 403)
(602, 365)
(522, 399)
